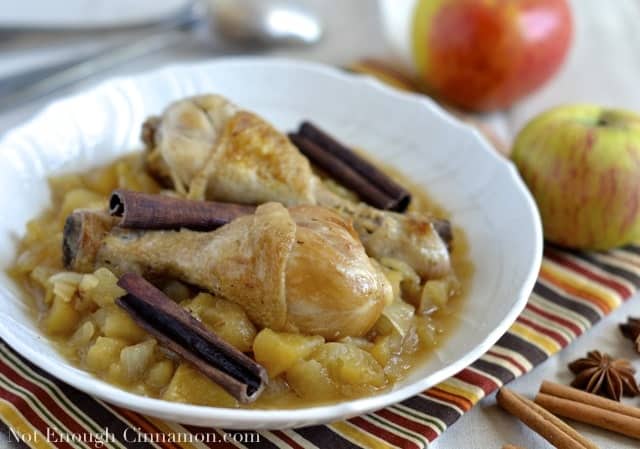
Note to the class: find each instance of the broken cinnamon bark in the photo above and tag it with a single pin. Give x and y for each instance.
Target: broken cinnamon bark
(177, 330)
(145, 211)
(399, 196)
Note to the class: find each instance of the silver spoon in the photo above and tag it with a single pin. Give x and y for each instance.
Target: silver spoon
(255, 23)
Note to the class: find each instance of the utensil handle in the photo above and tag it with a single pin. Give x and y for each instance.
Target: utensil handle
(32, 85)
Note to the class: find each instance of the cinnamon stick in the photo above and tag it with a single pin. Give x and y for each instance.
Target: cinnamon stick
(145, 211)
(551, 428)
(573, 394)
(512, 446)
(591, 414)
(400, 196)
(342, 172)
(180, 332)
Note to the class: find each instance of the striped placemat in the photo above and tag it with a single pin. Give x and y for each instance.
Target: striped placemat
(574, 290)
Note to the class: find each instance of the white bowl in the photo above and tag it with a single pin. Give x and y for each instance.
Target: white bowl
(452, 161)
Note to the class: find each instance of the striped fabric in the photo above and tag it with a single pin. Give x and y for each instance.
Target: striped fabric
(574, 290)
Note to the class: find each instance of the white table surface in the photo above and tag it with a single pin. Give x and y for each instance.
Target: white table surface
(603, 67)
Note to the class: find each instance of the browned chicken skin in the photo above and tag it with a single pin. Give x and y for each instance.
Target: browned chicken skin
(211, 149)
(299, 270)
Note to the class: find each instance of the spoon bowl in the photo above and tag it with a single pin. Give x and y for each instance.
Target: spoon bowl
(263, 23)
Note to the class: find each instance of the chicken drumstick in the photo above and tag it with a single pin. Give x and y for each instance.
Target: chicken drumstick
(300, 270)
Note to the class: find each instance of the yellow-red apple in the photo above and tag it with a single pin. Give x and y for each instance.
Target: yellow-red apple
(486, 54)
(582, 165)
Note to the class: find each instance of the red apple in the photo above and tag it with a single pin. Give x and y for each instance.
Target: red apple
(486, 54)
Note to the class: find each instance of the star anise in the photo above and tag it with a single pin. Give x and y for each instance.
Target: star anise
(601, 374)
(631, 330)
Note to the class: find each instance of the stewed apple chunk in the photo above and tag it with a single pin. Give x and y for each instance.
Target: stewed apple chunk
(349, 365)
(224, 318)
(62, 318)
(397, 318)
(192, 387)
(159, 374)
(82, 336)
(279, 351)
(135, 359)
(118, 324)
(104, 352)
(310, 380)
(100, 287)
(436, 294)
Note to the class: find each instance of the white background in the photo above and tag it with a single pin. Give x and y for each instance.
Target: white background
(603, 67)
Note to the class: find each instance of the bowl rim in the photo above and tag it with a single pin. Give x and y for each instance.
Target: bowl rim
(315, 414)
